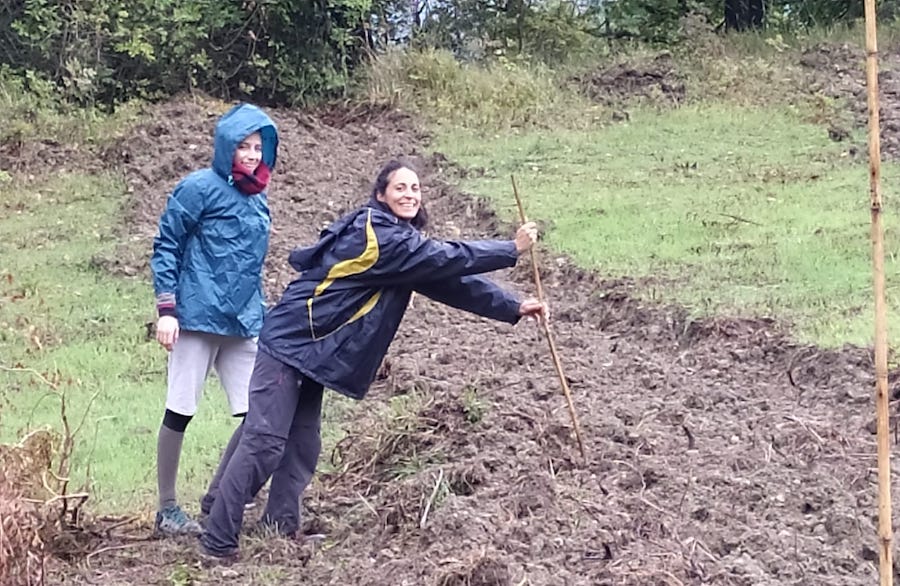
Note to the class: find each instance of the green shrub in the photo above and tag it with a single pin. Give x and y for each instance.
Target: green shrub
(34, 111)
(502, 93)
(108, 51)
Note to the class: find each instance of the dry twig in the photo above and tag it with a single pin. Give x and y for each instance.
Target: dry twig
(87, 559)
(806, 427)
(434, 492)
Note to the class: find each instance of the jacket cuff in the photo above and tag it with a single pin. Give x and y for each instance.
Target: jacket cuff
(165, 304)
(514, 305)
(513, 251)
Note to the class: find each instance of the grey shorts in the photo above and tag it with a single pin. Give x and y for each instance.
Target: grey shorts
(190, 361)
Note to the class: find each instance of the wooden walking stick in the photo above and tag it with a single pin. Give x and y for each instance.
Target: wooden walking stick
(885, 561)
(546, 326)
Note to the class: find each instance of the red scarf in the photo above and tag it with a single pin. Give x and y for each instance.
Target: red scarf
(250, 183)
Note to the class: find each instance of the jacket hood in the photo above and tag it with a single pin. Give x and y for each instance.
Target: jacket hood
(239, 122)
(305, 258)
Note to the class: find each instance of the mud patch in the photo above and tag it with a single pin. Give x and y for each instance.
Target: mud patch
(28, 159)
(838, 71)
(656, 81)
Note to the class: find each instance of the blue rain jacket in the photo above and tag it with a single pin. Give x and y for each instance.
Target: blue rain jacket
(335, 322)
(213, 239)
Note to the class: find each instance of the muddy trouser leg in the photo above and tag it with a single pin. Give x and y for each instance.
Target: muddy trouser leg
(273, 402)
(234, 365)
(206, 502)
(298, 463)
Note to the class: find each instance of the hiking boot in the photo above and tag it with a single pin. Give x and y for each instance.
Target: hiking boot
(206, 504)
(172, 521)
(212, 557)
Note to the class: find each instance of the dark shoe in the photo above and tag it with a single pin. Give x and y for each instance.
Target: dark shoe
(211, 557)
(206, 504)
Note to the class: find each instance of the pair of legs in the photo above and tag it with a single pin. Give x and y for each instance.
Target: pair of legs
(280, 439)
(190, 361)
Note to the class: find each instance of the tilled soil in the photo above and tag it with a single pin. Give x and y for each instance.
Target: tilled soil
(717, 451)
(656, 80)
(838, 72)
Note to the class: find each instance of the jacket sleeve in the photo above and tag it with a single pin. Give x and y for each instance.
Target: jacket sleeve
(179, 220)
(405, 257)
(475, 294)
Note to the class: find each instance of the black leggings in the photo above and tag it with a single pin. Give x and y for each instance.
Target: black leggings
(178, 422)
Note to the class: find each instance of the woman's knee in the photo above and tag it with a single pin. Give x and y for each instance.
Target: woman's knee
(176, 421)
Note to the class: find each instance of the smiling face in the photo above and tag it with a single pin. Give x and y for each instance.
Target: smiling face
(403, 194)
(248, 153)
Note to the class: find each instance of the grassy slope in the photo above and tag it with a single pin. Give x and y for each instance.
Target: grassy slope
(727, 210)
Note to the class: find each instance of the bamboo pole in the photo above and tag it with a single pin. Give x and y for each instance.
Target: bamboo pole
(885, 538)
(546, 327)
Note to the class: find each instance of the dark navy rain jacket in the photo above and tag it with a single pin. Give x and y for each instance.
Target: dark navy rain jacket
(335, 322)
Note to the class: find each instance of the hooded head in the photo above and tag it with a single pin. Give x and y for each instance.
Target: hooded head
(238, 123)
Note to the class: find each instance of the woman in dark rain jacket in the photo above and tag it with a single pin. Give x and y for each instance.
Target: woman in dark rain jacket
(332, 329)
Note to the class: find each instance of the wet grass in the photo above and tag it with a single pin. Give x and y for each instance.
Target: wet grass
(724, 209)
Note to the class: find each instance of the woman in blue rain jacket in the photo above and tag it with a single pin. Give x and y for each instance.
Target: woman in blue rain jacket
(207, 275)
(332, 328)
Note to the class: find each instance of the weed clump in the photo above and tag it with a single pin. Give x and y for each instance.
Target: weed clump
(21, 548)
(500, 94)
(23, 470)
(481, 570)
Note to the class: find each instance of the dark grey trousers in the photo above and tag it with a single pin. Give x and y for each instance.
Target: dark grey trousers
(280, 439)
(206, 502)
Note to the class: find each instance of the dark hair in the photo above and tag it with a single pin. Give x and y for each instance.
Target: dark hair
(381, 184)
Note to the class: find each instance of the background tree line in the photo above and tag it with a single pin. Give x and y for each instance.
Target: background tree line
(102, 52)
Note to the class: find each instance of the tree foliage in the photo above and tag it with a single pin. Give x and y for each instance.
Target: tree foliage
(288, 51)
(550, 30)
(105, 51)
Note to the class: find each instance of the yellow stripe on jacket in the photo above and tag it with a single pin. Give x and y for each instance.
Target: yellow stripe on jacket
(353, 266)
(347, 268)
